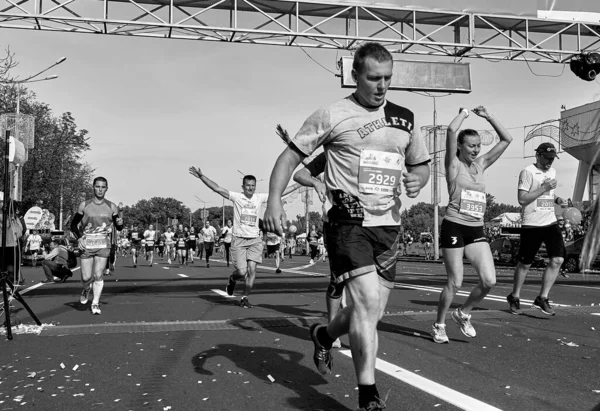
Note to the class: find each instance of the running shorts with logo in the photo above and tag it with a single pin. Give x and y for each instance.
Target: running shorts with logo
(180, 243)
(532, 238)
(244, 250)
(355, 250)
(454, 235)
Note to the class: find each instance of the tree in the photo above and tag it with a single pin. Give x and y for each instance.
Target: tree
(494, 209)
(54, 168)
(419, 218)
(314, 217)
(158, 211)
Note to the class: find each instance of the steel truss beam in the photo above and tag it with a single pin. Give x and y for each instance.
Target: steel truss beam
(314, 24)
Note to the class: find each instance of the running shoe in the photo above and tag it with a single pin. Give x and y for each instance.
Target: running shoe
(373, 406)
(514, 305)
(85, 294)
(564, 273)
(278, 271)
(169, 261)
(96, 309)
(106, 271)
(543, 305)
(207, 265)
(464, 322)
(438, 332)
(245, 303)
(336, 344)
(230, 286)
(322, 356)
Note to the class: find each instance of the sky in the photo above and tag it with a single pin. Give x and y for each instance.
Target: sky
(155, 107)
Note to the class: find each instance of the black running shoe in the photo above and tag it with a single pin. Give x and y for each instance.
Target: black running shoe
(245, 303)
(373, 406)
(514, 304)
(543, 305)
(322, 357)
(278, 271)
(230, 286)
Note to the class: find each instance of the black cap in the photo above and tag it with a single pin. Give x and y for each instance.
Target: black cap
(547, 150)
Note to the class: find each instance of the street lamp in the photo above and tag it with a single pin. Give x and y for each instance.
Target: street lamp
(203, 209)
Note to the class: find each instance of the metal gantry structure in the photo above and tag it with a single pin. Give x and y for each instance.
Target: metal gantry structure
(314, 24)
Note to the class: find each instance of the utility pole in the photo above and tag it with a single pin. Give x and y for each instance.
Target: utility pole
(306, 218)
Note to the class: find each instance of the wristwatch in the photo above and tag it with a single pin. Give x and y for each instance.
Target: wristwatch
(464, 110)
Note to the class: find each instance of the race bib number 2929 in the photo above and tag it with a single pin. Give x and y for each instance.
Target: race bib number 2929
(379, 172)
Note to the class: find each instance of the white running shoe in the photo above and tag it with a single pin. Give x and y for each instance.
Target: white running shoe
(336, 344)
(96, 309)
(438, 332)
(464, 322)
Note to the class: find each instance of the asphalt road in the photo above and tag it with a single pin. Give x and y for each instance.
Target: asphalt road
(170, 339)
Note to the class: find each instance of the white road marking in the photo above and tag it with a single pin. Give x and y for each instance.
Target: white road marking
(33, 287)
(222, 293)
(182, 275)
(302, 267)
(490, 297)
(578, 286)
(460, 400)
(293, 271)
(595, 313)
(38, 285)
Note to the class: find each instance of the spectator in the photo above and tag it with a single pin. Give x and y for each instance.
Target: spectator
(33, 245)
(55, 265)
(14, 230)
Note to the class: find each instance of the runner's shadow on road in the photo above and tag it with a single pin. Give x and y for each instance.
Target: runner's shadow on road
(409, 332)
(285, 367)
(452, 306)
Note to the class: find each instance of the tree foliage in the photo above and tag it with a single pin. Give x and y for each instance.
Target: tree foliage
(494, 209)
(55, 165)
(161, 211)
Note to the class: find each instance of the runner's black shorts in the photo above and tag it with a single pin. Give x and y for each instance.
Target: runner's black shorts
(533, 237)
(455, 235)
(355, 250)
(272, 249)
(191, 245)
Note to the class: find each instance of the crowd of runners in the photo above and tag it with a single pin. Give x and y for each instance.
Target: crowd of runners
(373, 155)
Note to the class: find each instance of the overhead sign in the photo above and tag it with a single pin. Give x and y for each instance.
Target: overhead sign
(447, 77)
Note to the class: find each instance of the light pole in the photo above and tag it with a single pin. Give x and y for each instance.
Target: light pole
(203, 209)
